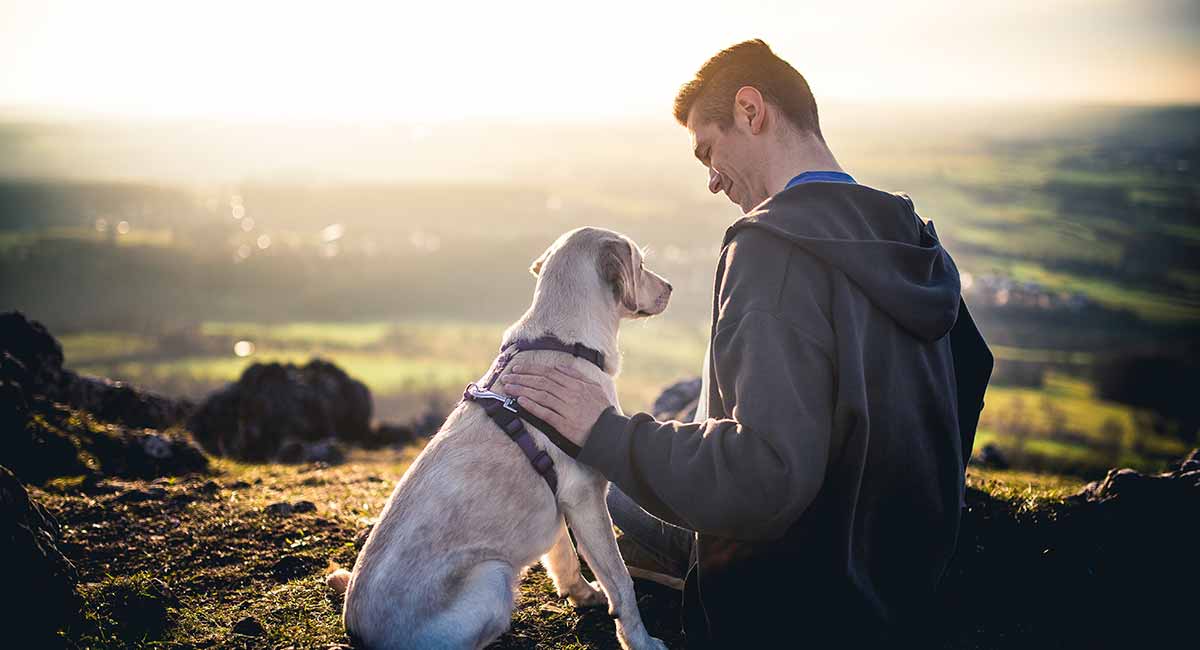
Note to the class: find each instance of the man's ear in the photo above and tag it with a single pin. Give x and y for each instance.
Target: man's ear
(536, 267)
(749, 107)
(616, 268)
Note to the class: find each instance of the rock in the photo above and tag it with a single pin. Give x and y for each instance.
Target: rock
(239, 485)
(678, 401)
(32, 345)
(273, 406)
(361, 538)
(249, 626)
(29, 447)
(114, 401)
(41, 354)
(95, 484)
(1188, 463)
(1177, 489)
(145, 453)
(390, 435)
(990, 456)
(140, 607)
(49, 416)
(295, 566)
(1119, 554)
(29, 539)
(210, 487)
(328, 451)
(282, 509)
(429, 422)
(136, 495)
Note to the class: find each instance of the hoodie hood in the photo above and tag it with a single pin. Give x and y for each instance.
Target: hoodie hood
(877, 240)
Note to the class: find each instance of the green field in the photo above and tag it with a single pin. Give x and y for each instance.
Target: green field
(412, 366)
(420, 358)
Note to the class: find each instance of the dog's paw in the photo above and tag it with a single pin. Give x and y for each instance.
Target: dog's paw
(587, 594)
(641, 640)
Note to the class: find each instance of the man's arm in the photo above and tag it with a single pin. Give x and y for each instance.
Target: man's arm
(747, 477)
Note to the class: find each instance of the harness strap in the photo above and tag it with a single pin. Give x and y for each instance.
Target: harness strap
(508, 415)
(562, 442)
(511, 424)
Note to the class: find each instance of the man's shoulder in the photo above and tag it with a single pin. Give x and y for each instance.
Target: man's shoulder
(756, 249)
(767, 273)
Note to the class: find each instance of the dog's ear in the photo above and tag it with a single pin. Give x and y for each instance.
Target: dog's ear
(536, 267)
(616, 268)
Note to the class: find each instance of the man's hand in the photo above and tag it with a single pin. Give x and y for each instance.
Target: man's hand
(560, 395)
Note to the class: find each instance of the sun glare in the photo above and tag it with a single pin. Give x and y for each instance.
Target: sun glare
(434, 62)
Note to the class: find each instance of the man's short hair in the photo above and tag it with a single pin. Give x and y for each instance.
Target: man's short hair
(750, 63)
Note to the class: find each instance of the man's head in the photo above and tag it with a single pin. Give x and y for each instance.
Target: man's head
(744, 109)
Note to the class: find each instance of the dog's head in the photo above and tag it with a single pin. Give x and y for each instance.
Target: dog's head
(614, 261)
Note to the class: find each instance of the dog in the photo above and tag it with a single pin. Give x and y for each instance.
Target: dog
(471, 514)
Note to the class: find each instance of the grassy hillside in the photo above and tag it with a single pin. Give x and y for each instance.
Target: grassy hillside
(185, 568)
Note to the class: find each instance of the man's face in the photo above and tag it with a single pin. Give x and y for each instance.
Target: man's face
(732, 158)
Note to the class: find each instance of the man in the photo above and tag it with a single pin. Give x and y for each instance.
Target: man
(824, 473)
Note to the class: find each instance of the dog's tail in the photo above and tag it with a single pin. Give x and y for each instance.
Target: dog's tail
(338, 581)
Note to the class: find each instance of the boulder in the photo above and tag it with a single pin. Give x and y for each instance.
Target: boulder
(40, 440)
(145, 453)
(32, 450)
(114, 401)
(386, 434)
(678, 401)
(990, 456)
(32, 345)
(1111, 566)
(29, 539)
(29, 343)
(275, 407)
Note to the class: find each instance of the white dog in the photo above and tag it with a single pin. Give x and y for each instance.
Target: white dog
(472, 513)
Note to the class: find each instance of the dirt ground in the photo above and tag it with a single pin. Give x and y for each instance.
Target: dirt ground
(206, 562)
(236, 559)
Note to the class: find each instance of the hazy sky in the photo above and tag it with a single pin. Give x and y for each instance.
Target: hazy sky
(560, 59)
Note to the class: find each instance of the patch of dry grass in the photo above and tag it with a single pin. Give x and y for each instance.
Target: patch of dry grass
(182, 569)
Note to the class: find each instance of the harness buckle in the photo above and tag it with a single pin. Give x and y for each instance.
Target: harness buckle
(507, 402)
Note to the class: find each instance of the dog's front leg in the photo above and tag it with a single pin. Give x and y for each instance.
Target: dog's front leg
(562, 563)
(593, 528)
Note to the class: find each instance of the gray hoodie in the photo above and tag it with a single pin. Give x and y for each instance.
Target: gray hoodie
(829, 470)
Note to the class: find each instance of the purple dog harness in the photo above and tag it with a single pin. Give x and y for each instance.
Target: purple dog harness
(509, 415)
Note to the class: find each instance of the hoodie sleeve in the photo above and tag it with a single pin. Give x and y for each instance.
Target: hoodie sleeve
(747, 477)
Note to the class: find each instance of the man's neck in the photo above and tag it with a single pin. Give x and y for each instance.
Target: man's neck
(800, 153)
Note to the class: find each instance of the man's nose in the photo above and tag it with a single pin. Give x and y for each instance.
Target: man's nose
(714, 181)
